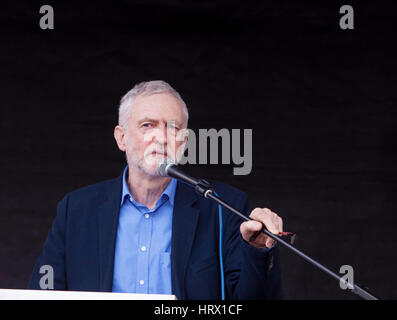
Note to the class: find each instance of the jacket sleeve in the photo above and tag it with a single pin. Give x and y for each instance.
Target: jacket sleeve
(250, 273)
(49, 270)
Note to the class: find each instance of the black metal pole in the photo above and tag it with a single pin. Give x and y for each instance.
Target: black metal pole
(364, 294)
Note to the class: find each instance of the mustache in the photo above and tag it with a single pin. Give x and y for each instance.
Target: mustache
(161, 149)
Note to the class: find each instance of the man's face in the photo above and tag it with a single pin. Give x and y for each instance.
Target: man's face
(152, 133)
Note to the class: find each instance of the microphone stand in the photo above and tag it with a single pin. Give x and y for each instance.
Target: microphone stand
(204, 188)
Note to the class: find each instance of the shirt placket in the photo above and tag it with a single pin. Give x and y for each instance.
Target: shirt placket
(143, 252)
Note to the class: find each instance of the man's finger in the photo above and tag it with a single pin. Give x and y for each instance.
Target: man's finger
(251, 226)
(269, 242)
(270, 219)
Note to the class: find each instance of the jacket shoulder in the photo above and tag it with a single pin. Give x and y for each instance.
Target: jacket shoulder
(97, 191)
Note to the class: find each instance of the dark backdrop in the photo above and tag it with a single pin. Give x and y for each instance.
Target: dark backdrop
(321, 102)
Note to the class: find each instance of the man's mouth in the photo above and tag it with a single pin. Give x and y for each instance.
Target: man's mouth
(161, 154)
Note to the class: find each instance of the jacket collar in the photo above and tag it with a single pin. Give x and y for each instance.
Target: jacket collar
(125, 191)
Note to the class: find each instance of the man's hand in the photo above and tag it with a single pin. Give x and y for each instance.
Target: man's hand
(261, 217)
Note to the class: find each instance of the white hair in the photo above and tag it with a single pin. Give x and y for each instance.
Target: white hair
(146, 88)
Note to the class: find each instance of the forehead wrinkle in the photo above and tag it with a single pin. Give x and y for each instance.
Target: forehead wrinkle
(150, 110)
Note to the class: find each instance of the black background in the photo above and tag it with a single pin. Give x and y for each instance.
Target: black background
(321, 102)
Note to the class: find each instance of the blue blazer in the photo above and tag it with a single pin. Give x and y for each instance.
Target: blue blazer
(80, 245)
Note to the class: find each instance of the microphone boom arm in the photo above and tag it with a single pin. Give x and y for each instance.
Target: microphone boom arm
(204, 188)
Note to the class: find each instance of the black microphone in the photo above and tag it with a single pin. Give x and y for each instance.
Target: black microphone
(168, 168)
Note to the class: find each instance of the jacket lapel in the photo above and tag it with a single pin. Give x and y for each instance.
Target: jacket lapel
(108, 216)
(184, 223)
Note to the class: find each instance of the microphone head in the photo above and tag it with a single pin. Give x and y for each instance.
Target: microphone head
(163, 166)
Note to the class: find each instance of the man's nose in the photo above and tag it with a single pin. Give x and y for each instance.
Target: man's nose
(161, 135)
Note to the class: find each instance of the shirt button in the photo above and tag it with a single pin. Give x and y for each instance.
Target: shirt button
(141, 282)
(143, 248)
(147, 215)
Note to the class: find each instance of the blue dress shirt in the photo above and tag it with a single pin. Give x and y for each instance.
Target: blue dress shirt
(142, 262)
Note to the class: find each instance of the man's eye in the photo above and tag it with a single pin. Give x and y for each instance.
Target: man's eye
(147, 125)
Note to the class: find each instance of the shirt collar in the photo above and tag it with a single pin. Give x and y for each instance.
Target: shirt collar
(169, 191)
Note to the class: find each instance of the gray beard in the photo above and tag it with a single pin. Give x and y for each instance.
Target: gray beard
(141, 166)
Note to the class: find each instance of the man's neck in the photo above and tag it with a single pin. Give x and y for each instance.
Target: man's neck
(146, 189)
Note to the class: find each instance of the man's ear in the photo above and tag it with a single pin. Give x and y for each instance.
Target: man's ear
(119, 135)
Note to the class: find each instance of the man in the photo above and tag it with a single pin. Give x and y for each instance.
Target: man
(145, 233)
